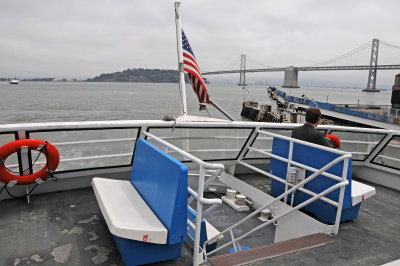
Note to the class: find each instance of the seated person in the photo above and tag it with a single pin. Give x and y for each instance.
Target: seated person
(307, 132)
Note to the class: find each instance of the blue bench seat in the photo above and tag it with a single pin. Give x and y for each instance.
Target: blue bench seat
(355, 192)
(147, 214)
(207, 232)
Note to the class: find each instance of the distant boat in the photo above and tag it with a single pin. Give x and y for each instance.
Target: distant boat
(14, 81)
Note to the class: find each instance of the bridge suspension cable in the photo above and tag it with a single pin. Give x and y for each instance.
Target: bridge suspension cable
(235, 64)
(389, 53)
(391, 45)
(350, 58)
(257, 64)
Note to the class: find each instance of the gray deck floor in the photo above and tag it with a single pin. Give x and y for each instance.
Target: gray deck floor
(67, 228)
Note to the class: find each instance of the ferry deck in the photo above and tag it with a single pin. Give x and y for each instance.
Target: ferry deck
(63, 223)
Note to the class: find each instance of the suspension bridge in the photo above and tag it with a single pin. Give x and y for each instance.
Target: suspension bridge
(364, 57)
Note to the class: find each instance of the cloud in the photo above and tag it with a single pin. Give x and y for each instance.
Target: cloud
(86, 38)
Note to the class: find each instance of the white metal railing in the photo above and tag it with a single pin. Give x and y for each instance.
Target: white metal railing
(342, 182)
(197, 258)
(367, 154)
(391, 112)
(97, 141)
(364, 151)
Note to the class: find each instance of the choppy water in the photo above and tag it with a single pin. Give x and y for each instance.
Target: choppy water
(84, 101)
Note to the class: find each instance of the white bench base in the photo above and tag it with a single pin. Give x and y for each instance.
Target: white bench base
(212, 232)
(360, 192)
(126, 213)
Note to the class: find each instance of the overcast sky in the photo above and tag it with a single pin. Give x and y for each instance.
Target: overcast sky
(86, 38)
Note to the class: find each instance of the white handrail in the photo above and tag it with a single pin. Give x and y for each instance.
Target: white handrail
(197, 195)
(203, 200)
(334, 177)
(92, 141)
(185, 154)
(302, 142)
(288, 192)
(342, 182)
(283, 181)
(323, 193)
(123, 124)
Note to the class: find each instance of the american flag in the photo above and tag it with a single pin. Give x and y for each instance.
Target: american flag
(193, 70)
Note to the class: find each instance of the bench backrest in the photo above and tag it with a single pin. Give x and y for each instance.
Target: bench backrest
(315, 158)
(162, 181)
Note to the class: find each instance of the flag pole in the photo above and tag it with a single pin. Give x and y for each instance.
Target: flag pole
(219, 108)
(182, 87)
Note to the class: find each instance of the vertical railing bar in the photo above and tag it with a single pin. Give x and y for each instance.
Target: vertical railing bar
(199, 209)
(341, 196)
(212, 178)
(233, 240)
(288, 166)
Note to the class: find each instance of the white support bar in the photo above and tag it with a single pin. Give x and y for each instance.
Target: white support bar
(203, 200)
(334, 177)
(93, 141)
(186, 154)
(303, 142)
(283, 181)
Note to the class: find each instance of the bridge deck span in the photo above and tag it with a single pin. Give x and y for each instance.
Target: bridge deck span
(310, 68)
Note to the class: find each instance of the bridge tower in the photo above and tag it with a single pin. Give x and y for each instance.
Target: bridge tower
(373, 64)
(242, 81)
(291, 77)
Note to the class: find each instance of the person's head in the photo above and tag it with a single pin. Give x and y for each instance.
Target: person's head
(313, 115)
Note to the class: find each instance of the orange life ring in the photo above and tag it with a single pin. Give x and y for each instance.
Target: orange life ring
(51, 153)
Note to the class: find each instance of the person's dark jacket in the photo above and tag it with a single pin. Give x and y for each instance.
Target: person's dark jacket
(307, 132)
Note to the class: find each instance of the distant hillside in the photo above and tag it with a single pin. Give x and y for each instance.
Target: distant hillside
(140, 75)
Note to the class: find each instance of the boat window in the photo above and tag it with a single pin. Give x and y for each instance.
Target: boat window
(205, 143)
(88, 149)
(12, 161)
(358, 143)
(265, 142)
(390, 154)
(6, 138)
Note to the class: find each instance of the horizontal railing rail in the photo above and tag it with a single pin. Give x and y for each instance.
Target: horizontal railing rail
(365, 151)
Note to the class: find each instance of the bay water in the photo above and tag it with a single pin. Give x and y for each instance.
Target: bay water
(30, 102)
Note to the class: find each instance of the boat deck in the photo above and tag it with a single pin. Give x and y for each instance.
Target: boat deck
(67, 228)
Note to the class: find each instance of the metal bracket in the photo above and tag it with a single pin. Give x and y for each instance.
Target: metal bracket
(28, 196)
(12, 183)
(180, 67)
(39, 181)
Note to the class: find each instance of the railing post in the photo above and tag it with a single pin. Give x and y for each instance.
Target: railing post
(185, 140)
(24, 155)
(288, 166)
(233, 240)
(341, 196)
(200, 190)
